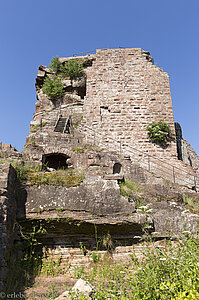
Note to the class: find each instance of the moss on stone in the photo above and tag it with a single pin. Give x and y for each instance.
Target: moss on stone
(35, 128)
(65, 178)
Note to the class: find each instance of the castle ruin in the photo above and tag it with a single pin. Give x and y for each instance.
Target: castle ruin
(98, 126)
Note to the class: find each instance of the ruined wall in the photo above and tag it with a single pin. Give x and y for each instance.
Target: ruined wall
(125, 92)
(189, 156)
(9, 153)
(7, 219)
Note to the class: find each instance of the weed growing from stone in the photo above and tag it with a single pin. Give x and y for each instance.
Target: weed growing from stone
(51, 265)
(23, 170)
(35, 128)
(107, 243)
(192, 204)
(78, 122)
(79, 271)
(52, 293)
(128, 188)
(55, 66)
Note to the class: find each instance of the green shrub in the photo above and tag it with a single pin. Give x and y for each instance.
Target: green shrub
(56, 65)
(35, 128)
(159, 132)
(53, 88)
(73, 69)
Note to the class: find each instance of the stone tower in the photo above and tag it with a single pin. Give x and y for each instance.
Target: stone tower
(124, 92)
(121, 92)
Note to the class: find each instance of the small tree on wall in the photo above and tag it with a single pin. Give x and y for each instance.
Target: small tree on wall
(53, 88)
(72, 68)
(55, 65)
(159, 132)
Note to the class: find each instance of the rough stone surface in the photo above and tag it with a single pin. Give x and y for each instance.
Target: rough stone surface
(139, 94)
(97, 196)
(189, 156)
(9, 154)
(7, 219)
(80, 286)
(83, 287)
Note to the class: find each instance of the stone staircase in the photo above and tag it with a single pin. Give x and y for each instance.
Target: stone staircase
(62, 124)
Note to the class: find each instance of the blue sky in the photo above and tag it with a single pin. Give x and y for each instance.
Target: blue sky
(34, 31)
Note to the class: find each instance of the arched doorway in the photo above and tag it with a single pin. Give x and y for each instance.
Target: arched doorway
(55, 161)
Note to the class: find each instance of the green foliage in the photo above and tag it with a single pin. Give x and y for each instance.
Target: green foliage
(169, 271)
(55, 65)
(52, 293)
(79, 272)
(108, 243)
(36, 176)
(35, 128)
(73, 69)
(192, 203)
(53, 87)
(95, 257)
(159, 132)
(67, 178)
(78, 150)
(86, 147)
(25, 263)
(22, 171)
(78, 122)
(30, 142)
(128, 188)
(83, 248)
(51, 265)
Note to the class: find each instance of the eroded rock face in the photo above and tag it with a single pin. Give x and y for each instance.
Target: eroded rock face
(95, 196)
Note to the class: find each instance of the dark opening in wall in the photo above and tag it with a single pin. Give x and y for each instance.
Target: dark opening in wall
(178, 130)
(55, 161)
(81, 91)
(117, 168)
